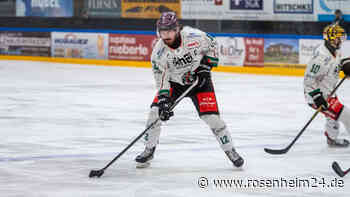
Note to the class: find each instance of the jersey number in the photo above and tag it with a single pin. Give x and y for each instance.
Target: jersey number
(224, 139)
(315, 68)
(146, 137)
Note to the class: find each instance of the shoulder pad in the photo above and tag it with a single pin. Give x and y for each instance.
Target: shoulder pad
(158, 50)
(190, 32)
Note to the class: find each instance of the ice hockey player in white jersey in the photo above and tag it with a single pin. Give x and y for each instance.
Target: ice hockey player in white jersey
(321, 77)
(179, 56)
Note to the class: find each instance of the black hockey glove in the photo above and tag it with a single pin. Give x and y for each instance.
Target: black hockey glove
(203, 75)
(320, 101)
(164, 105)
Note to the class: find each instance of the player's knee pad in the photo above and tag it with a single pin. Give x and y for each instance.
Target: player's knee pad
(219, 129)
(213, 121)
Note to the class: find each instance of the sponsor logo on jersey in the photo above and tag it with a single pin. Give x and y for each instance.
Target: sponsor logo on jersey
(193, 35)
(188, 78)
(192, 45)
(207, 102)
(181, 62)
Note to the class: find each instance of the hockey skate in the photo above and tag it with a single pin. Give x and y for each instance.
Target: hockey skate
(142, 160)
(236, 159)
(341, 143)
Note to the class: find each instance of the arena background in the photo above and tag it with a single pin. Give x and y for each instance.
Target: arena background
(260, 36)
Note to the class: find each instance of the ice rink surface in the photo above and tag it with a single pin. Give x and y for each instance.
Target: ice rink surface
(59, 121)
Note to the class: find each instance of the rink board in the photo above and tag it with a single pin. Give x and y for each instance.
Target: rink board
(284, 70)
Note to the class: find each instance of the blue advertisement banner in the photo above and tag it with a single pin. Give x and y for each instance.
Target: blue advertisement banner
(331, 17)
(44, 8)
(326, 8)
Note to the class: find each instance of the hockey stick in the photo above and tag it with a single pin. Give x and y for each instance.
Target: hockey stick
(285, 150)
(99, 173)
(338, 170)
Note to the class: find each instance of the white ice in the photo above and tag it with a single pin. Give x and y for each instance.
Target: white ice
(59, 121)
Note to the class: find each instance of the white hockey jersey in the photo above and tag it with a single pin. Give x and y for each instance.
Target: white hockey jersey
(176, 64)
(322, 73)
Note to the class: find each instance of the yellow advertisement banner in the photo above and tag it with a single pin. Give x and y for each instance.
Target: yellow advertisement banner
(149, 8)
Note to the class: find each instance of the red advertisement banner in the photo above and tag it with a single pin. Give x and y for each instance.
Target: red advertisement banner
(131, 47)
(254, 52)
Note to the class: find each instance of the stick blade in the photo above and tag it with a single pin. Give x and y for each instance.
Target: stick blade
(276, 151)
(96, 173)
(337, 169)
